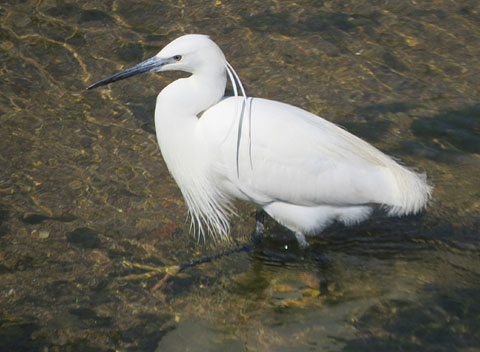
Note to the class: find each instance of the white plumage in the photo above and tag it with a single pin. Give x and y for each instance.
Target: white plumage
(302, 170)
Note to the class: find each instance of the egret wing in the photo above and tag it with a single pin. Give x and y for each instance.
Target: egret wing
(278, 152)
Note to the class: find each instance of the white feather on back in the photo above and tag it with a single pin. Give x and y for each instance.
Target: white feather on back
(299, 158)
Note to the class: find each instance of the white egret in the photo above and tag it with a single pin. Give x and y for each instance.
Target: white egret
(302, 170)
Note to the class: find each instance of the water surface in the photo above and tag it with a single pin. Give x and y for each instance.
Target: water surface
(87, 206)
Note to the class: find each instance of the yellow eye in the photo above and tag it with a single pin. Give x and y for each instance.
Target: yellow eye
(177, 57)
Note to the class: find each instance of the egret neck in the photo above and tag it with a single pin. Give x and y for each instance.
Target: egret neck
(177, 114)
(178, 108)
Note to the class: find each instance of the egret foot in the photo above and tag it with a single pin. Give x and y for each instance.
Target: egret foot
(168, 272)
(302, 241)
(259, 226)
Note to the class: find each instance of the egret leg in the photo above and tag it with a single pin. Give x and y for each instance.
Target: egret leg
(302, 241)
(173, 270)
(259, 226)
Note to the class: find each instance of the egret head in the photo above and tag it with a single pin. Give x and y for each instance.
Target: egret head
(193, 53)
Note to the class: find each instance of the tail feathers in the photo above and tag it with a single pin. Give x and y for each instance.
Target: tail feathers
(412, 192)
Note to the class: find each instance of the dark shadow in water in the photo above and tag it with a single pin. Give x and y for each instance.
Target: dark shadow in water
(443, 137)
(374, 129)
(4, 215)
(67, 11)
(372, 111)
(319, 21)
(78, 325)
(437, 322)
(383, 237)
(130, 53)
(146, 335)
(24, 335)
(143, 109)
(90, 317)
(379, 237)
(15, 335)
(459, 129)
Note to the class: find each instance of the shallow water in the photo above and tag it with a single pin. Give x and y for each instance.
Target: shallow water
(86, 199)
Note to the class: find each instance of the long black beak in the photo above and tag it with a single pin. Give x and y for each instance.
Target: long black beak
(152, 64)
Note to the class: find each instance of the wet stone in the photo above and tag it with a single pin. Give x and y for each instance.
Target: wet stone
(3, 222)
(63, 11)
(90, 317)
(34, 219)
(94, 15)
(4, 269)
(24, 263)
(84, 237)
(130, 52)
